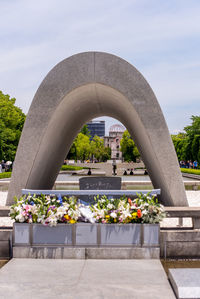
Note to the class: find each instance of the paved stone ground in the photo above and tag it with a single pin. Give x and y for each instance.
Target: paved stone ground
(192, 196)
(91, 279)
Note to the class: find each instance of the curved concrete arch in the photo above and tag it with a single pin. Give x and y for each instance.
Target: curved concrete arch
(78, 89)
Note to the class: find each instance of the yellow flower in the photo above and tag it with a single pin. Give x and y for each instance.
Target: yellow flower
(107, 216)
(72, 221)
(115, 220)
(67, 217)
(134, 215)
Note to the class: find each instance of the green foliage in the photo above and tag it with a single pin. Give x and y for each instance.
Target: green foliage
(193, 133)
(128, 148)
(187, 145)
(180, 143)
(84, 149)
(11, 123)
(195, 148)
(82, 144)
(4, 175)
(85, 131)
(99, 152)
(71, 167)
(107, 154)
(72, 153)
(192, 171)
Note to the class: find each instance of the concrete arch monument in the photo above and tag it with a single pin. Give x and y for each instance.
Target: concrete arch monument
(78, 89)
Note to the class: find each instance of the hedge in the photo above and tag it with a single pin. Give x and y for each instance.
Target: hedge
(4, 175)
(191, 171)
(71, 167)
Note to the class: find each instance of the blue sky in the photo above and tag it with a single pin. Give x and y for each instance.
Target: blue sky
(160, 38)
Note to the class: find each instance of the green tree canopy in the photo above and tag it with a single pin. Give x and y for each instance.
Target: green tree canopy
(11, 123)
(85, 131)
(187, 145)
(82, 144)
(180, 143)
(98, 150)
(193, 134)
(128, 148)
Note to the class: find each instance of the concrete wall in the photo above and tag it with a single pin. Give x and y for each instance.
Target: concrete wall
(5, 235)
(180, 244)
(78, 89)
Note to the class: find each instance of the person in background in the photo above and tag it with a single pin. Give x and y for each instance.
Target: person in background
(195, 164)
(114, 165)
(131, 172)
(3, 165)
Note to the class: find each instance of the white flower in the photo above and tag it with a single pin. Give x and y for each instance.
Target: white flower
(20, 218)
(113, 215)
(17, 208)
(34, 209)
(52, 220)
(61, 211)
(110, 206)
(101, 213)
(125, 214)
(66, 205)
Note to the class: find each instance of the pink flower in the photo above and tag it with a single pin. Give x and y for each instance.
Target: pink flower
(27, 208)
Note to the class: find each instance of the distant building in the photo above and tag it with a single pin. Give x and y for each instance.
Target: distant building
(113, 141)
(96, 128)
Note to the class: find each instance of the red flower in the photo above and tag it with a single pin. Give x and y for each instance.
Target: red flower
(139, 213)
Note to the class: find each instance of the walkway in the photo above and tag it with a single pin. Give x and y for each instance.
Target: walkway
(87, 279)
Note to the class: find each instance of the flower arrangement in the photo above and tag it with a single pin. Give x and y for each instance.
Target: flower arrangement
(143, 209)
(50, 210)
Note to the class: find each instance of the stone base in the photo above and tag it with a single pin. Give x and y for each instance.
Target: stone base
(185, 282)
(49, 252)
(123, 253)
(86, 253)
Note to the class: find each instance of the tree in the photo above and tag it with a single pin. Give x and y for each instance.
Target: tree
(98, 150)
(196, 147)
(85, 131)
(187, 145)
(128, 148)
(11, 124)
(72, 154)
(82, 144)
(180, 142)
(193, 132)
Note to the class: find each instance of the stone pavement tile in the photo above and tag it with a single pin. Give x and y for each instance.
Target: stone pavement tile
(136, 278)
(32, 278)
(41, 270)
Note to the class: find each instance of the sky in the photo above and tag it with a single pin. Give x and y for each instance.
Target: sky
(160, 38)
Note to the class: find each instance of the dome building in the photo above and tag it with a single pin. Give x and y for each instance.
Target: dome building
(113, 141)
